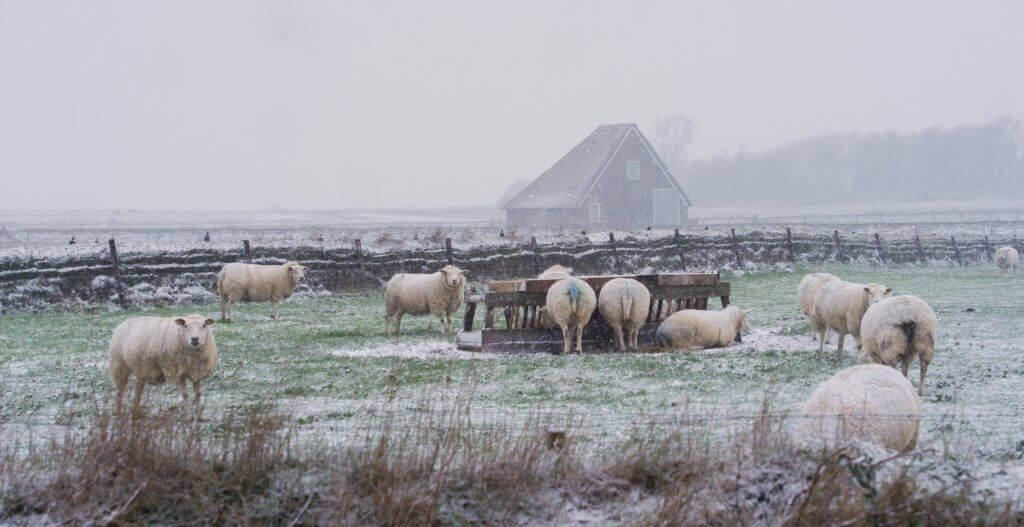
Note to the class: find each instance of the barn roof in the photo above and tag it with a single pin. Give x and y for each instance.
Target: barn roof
(567, 182)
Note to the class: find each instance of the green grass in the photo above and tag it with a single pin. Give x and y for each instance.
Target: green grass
(53, 365)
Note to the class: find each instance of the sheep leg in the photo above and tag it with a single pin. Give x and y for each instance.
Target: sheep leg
(120, 395)
(634, 336)
(223, 315)
(924, 370)
(184, 395)
(398, 322)
(821, 341)
(839, 345)
(906, 367)
(579, 338)
(567, 340)
(275, 310)
(620, 344)
(231, 309)
(137, 400)
(443, 328)
(196, 389)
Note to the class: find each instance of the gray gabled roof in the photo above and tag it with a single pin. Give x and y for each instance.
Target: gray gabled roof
(567, 182)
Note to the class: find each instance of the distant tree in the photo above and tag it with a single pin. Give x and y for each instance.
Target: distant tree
(673, 134)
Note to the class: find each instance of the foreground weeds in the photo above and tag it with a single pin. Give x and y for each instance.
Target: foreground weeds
(444, 469)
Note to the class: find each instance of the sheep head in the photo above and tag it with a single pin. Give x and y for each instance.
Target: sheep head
(194, 330)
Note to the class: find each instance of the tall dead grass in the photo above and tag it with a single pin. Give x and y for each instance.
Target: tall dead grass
(248, 468)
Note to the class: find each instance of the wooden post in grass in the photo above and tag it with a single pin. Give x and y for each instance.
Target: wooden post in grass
(448, 251)
(878, 246)
(956, 250)
(615, 252)
(988, 250)
(359, 253)
(116, 264)
(248, 251)
(736, 248)
(917, 247)
(838, 244)
(789, 244)
(679, 248)
(536, 257)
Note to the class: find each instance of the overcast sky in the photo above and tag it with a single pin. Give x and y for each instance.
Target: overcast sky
(251, 104)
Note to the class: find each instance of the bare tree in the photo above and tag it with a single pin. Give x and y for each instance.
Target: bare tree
(673, 134)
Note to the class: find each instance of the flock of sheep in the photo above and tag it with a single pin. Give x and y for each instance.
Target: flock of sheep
(869, 401)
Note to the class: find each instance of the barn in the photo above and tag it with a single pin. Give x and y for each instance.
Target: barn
(612, 178)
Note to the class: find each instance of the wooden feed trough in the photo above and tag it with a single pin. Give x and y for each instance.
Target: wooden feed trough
(519, 300)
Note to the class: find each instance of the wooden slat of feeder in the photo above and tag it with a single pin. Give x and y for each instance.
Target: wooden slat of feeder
(506, 286)
(687, 279)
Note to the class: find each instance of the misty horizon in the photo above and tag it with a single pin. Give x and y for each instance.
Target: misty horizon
(355, 106)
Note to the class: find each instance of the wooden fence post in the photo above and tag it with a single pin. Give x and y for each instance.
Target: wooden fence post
(248, 251)
(679, 248)
(838, 244)
(359, 253)
(448, 251)
(988, 250)
(736, 248)
(956, 250)
(789, 244)
(615, 252)
(878, 246)
(917, 247)
(116, 264)
(536, 257)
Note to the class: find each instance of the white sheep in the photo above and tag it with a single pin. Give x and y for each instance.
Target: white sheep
(439, 294)
(257, 283)
(624, 304)
(869, 402)
(897, 328)
(697, 329)
(805, 292)
(840, 305)
(570, 303)
(1007, 258)
(157, 350)
(555, 272)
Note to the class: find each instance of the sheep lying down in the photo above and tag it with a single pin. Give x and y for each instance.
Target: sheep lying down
(697, 329)
(156, 350)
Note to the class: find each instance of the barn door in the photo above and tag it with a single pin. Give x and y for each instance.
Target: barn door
(667, 208)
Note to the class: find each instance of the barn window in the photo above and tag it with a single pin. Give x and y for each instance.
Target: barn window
(633, 169)
(595, 212)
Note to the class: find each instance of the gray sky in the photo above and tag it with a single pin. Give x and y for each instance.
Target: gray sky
(250, 104)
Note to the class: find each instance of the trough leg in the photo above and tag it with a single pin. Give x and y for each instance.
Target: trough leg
(725, 301)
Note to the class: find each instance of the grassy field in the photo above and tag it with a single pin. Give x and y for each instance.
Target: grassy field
(327, 364)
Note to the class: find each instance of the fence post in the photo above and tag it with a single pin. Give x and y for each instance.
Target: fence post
(679, 248)
(736, 248)
(448, 251)
(839, 247)
(359, 253)
(615, 252)
(956, 250)
(917, 246)
(536, 257)
(248, 251)
(789, 244)
(988, 250)
(116, 264)
(878, 246)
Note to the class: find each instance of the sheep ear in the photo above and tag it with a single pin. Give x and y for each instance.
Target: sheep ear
(464, 272)
(210, 322)
(888, 290)
(179, 321)
(568, 269)
(867, 289)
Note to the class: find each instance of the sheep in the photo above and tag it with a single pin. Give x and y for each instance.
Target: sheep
(869, 402)
(1007, 258)
(157, 350)
(555, 272)
(570, 303)
(624, 304)
(439, 294)
(257, 283)
(805, 292)
(897, 328)
(697, 329)
(840, 305)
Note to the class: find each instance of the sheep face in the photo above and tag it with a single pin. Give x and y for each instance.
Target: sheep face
(453, 275)
(876, 292)
(194, 330)
(742, 326)
(297, 272)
